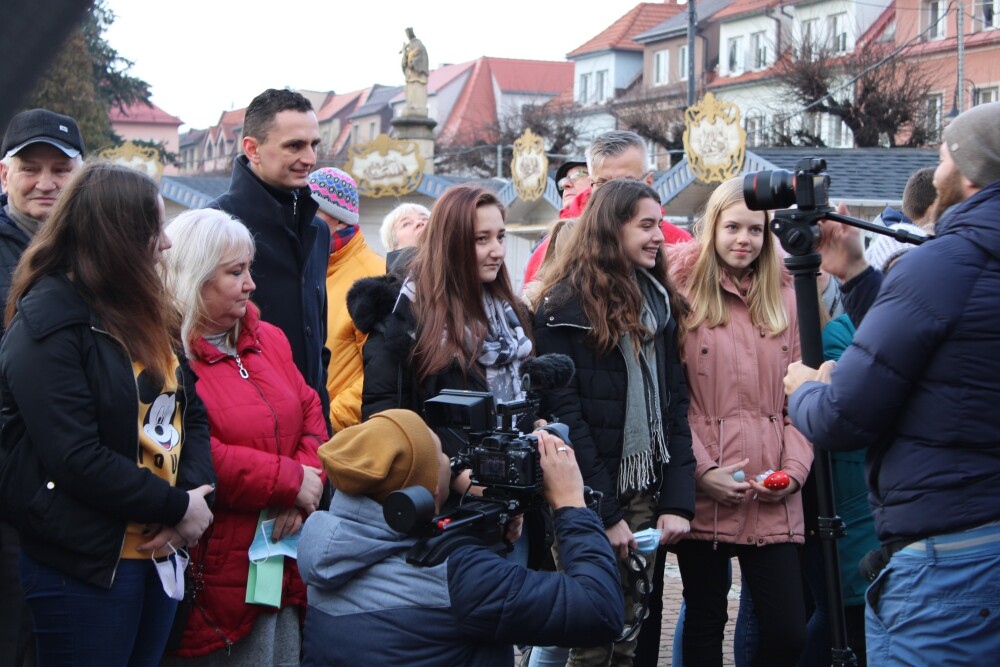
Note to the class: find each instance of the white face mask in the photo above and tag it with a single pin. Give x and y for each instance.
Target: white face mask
(171, 571)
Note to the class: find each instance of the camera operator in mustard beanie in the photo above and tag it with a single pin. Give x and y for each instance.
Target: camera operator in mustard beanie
(369, 606)
(918, 388)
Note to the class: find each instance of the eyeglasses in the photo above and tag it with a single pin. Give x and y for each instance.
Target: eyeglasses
(572, 177)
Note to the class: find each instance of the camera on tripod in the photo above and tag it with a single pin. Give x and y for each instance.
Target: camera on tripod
(808, 187)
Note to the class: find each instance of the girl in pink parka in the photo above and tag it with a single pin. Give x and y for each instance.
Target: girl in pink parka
(738, 339)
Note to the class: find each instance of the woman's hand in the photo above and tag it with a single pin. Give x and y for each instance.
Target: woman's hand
(311, 489)
(672, 528)
(621, 538)
(719, 485)
(164, 535)
(198, 516)
(286, 522)
(766, 495)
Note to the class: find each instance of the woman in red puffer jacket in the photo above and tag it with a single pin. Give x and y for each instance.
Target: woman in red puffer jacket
(266, 426)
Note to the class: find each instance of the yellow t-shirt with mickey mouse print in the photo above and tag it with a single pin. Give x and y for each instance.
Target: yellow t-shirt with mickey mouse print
(160, 439)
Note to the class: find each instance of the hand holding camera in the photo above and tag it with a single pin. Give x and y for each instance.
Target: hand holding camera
(562, 481)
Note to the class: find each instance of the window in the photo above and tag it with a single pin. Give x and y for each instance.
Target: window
(935, 18)
(810, 37)
(984, 95)
(755, 129)
(599, 90)
(935, 105)
(811, 124)
(836, 134)
(758, 46)
(661, 64)
(779, 129)
(838, 33)
(735, 58)
(682, 63)
(584, 89)
(371, 130)
(986, 15)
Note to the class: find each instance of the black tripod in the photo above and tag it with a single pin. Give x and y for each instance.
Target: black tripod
(798, 232)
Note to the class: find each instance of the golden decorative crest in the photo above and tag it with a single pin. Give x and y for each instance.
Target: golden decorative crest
(385, 167)
(530, 166)
(714, 140)
(141, 158)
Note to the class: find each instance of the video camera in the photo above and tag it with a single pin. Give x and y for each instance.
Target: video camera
(808, 187)
(499, 455)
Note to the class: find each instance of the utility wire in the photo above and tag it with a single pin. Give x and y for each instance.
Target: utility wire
(781, 119)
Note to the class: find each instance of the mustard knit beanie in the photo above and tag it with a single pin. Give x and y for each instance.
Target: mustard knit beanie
(391, 451)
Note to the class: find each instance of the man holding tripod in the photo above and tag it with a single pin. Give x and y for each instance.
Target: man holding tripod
(369, 606)
(919, 388)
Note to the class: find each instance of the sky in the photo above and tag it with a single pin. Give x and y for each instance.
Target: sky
(203, 57)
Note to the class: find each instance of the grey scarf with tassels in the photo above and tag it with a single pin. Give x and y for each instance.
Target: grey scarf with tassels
(644, 441)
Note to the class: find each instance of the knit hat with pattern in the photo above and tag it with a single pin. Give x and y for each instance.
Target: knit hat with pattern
(336, 193)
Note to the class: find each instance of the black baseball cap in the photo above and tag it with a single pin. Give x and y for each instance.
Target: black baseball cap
(565, 168)
(42, 125)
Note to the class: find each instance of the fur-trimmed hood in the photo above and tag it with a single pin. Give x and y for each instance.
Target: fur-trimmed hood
(371, 300)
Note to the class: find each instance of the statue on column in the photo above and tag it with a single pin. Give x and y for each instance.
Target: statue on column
(415, 69)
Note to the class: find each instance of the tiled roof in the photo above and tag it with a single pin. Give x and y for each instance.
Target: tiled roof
(704, 9)
(192, 137)
(213, 186)
(859, 173)
(531, 76)
(142, 113)
(620, 34)
(743, 7)
(338, 103)
(379, 97)
(439, 78)
(476, 106)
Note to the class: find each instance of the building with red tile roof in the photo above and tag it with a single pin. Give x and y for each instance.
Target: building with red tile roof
(144, 122)
(470, 98)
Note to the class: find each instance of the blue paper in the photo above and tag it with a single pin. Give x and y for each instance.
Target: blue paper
(264, 546)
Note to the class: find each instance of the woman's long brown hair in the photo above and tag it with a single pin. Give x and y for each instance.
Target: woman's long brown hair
(102, 234)
(596, 269)
(449, 292)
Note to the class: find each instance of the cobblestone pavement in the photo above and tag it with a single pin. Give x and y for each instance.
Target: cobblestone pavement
(672, 596)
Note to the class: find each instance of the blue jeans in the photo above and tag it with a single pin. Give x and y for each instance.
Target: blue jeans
(937, 602)
(84, 625)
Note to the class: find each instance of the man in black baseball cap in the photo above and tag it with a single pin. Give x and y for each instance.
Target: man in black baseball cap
(40, 151)
(42, 126)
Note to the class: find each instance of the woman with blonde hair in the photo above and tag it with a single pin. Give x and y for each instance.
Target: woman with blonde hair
(267, 425)
(738, 338)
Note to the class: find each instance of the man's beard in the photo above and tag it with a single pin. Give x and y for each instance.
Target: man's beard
(949, 193)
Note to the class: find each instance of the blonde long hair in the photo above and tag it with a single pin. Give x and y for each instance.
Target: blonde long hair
(705, 294)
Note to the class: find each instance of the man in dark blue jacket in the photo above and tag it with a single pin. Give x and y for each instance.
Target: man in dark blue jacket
(920, 388)
(270, 193)
(369, 606)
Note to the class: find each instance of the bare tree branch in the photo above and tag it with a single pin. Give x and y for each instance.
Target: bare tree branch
(558, 124)
(886, 102)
